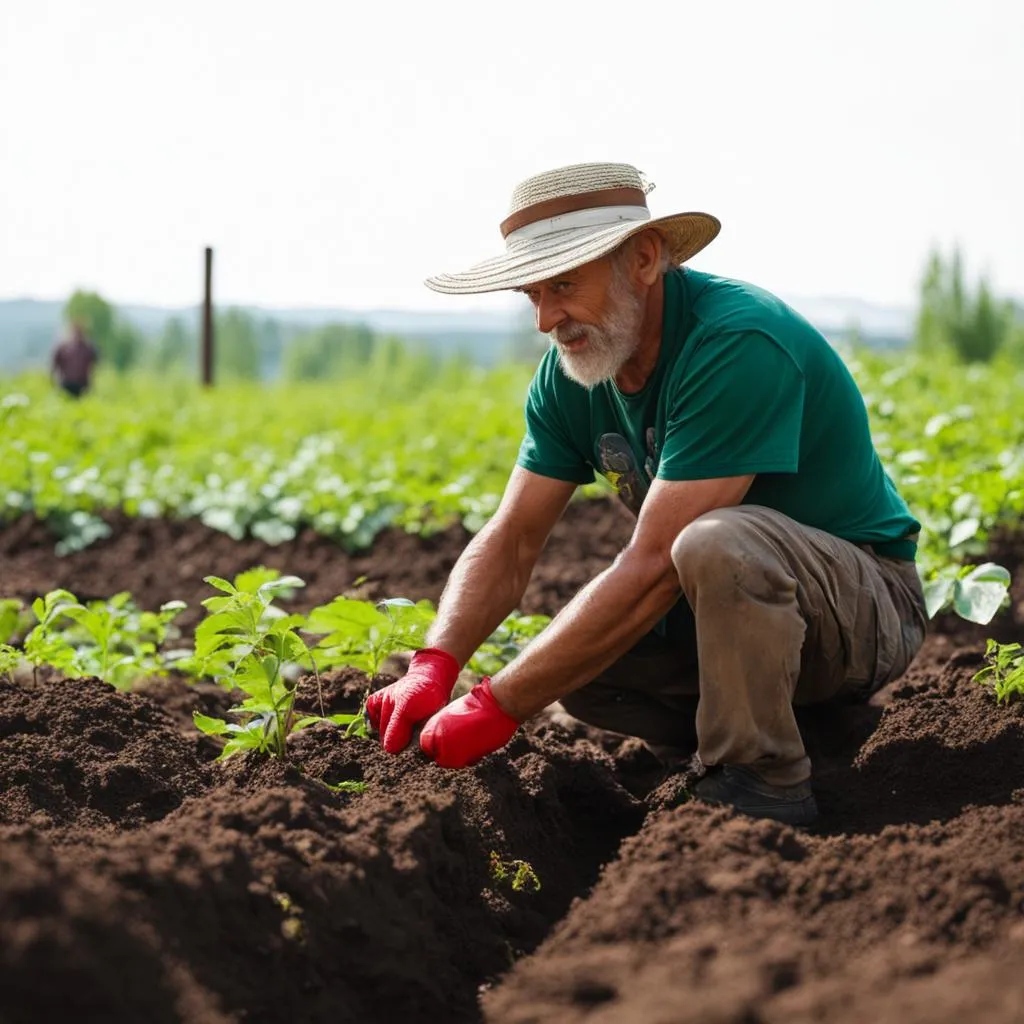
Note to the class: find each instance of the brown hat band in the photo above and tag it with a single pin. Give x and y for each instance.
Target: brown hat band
(570, 204)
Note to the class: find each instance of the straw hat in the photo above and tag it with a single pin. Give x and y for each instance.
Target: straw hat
(564, 218)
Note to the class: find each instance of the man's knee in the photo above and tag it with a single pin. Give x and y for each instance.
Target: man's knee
(727, 548)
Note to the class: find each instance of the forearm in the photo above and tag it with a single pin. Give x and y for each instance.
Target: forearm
(600, 624)
(485, 586)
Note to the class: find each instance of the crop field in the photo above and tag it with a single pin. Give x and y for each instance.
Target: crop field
(195, 826)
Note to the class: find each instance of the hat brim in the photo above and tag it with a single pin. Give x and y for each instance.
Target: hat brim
(538, 259)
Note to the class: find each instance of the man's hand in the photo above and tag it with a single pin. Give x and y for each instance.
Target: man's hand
(422, 691)
(467, 729)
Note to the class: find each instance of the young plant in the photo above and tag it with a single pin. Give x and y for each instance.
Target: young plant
(14, 620)
(111, 640)
(506, 643)
(362, 635)
(519, 874)
(974, 592)
(254, 646)
(1004, 673)
(46, 644)
(9, 659)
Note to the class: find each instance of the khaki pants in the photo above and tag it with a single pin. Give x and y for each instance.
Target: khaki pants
(775, 613)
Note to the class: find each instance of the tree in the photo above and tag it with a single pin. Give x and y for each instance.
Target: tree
(329, 351)
(237, 346)
(975, 326)
(175, 349)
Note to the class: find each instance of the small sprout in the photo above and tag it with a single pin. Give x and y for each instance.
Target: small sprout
(519, 874)
(1004, 673)
(348, 786)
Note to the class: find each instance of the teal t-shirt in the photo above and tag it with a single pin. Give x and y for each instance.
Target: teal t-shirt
(743, 384)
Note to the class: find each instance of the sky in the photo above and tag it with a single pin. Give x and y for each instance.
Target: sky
(336, 153)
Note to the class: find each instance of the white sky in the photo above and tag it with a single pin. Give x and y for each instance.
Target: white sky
(336, 153)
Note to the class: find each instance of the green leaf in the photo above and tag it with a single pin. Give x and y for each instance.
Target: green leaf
(980, 594)
(937, 594)
(220, 584)
(273, 588)
(211, 726)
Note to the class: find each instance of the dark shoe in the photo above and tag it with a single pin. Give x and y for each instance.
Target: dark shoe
(733, 785)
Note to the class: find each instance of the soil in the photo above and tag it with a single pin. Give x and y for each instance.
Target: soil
(141, 879)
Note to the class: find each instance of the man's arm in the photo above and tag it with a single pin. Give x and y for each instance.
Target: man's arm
(491, 575)
(619, 606)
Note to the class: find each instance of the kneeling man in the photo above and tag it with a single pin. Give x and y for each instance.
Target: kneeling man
(772, 561)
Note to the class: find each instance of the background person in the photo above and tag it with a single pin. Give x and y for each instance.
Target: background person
(73, 361)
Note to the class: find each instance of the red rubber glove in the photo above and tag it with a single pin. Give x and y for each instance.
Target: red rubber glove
(424, 689)
(467, 729)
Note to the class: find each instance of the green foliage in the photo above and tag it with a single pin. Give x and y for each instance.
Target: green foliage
(177, 349)
(1004, 674)
(394, 446)
(518, 874)
(974, 326)
(111, 640)
(974, 592)
(330, 351)
(118, 342)
(505, 643)
(9, 660)
(252, 646)
(15, 620)
(362, 635)
(237, 346)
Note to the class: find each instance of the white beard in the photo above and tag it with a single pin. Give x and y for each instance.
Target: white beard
(609, 344)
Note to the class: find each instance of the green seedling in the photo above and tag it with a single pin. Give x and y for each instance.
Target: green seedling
(506, 642)
(15, 620)
(9, 660)
(1004, 673)
(974, 592)
(362, 635)
(518, 874)
(255, 647)
(111, 640)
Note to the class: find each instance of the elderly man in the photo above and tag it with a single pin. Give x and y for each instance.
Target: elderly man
(772, 561)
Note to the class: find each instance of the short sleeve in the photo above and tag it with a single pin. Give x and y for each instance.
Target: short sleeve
(547, 448)
(736, 409)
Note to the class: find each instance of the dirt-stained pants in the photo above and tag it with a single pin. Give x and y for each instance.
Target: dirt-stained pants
(775, 613)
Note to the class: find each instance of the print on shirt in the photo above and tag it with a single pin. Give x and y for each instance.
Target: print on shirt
(618, 465)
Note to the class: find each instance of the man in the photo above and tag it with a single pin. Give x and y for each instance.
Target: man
(772, 561)
(73, 362)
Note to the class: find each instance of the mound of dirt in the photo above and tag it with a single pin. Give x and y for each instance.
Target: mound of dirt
(710, 916)
(78, 753)
(265, 896)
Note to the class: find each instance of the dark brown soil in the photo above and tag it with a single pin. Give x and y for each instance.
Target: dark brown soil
(162, 560)
(140, 880)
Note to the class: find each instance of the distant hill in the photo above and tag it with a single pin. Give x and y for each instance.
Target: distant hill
(28, 327)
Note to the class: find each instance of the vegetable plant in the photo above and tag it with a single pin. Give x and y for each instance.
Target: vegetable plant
(974, 592)
(1004, 673)
(111, 640)
(9, 660)
(253, 646)
(362, 635)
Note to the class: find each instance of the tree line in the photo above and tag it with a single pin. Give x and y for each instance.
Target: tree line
(247, 347)
(967, 320)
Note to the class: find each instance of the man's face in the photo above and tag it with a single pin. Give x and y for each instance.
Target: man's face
(593, 314)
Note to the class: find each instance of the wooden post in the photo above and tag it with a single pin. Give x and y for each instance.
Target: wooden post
(207, 347)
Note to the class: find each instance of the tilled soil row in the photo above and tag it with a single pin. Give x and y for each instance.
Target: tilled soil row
(162, 560)
(142, 882)
(911, 888)
(139, 880)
